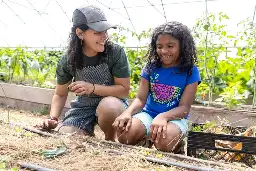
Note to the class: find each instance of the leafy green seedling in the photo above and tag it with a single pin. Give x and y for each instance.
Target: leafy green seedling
(54, 153)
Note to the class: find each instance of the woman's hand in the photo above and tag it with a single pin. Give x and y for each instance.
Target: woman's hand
(158, 128)
(48, 124)
(123, 122)
(81, 88)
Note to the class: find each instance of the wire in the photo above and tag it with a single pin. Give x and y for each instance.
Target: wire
(7, 28)
(63, 10)
(19, 5)
(128, 47)
(5, 42)
(4, 24)
(171, 3)
(46, 5)
(254, 14)
(112, 9)
(129, 16)
(45, 20)
(155, 7)
(14, 12)
(16, 16)
(164, 11)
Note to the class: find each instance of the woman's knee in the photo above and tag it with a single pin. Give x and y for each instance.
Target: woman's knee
(136, 132)
(110, 106)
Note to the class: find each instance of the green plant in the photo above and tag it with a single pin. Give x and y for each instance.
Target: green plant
(4, 167)
(202, 90)
(206, 127)
(220, 67)
(233, 95)
(212, 38)
(135, 55)
(23, 66)
(247, 38)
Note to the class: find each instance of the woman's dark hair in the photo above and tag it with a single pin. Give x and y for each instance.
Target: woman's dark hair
(75, 50)
(187, 46)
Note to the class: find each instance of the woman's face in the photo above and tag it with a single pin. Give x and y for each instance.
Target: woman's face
(93, 42)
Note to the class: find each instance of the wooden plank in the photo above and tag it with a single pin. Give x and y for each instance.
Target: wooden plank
(30, 94)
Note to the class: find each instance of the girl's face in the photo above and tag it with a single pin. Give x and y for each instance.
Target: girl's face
(168, 49)
(94, 42)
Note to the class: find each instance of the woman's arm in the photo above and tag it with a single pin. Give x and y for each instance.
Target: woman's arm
(59, 100)
(120, 89)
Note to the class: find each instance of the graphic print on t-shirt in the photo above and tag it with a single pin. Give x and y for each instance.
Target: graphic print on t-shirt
(163, 93)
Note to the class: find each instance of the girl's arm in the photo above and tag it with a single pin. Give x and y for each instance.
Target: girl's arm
(139, 102)
(185, 103)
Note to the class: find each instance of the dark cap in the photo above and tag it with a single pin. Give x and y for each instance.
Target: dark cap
(93, 17)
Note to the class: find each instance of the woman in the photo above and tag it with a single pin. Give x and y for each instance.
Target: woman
(97, 71)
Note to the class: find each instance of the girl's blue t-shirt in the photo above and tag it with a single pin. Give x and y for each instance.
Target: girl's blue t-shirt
(166, 88)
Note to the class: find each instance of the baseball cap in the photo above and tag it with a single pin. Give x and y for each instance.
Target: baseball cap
(93, 17)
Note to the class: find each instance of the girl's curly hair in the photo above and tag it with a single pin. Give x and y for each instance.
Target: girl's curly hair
(187, 46)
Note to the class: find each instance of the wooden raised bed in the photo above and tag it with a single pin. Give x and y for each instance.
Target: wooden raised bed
(28, 98)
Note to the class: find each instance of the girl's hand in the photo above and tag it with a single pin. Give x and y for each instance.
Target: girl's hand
(81, 88)
(123, 122)
(158, 128)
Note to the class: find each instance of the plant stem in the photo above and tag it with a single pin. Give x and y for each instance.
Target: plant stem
(254, 83)
(254, 68)
(205, 55)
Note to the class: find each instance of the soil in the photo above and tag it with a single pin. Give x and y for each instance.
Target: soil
(19, 146)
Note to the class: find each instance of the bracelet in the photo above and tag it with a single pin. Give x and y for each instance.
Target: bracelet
(54, 118)
(93, 88)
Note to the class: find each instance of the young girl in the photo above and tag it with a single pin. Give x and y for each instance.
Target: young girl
(167, 89)
(97, 71)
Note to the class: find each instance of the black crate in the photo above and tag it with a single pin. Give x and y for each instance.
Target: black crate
(203, 145)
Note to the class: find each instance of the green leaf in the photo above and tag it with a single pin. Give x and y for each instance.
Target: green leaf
(231, 37)
(235, 42)
(2, 165)
(15, 169)
(248, 50)
(224, 33)
(206, 27)
(239, 51)
(54, 153)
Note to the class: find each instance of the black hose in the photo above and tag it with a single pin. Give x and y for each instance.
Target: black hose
(169, 163)
(35, 167)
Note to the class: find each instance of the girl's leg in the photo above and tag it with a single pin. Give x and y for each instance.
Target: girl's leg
(134, 135)
(138, 130)
(175, 131)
